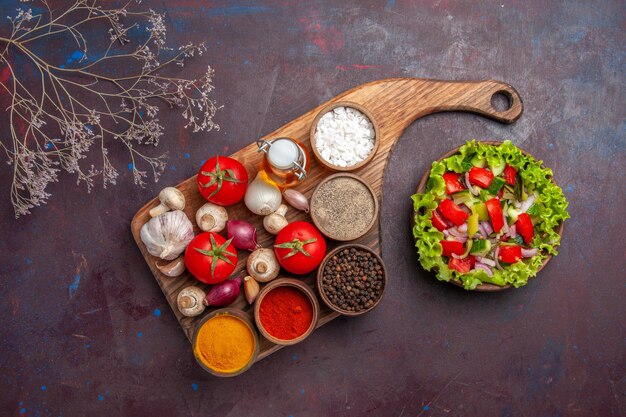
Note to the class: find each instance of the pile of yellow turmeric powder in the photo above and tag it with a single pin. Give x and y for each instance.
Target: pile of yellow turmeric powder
(225, 343)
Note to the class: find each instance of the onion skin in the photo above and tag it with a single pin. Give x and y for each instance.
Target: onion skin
(296, 199)
(242, 233)
(224, 293)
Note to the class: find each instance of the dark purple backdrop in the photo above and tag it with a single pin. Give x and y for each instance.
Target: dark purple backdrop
(86, 331)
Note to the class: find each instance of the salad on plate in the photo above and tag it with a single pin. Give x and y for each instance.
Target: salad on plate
(489, 214)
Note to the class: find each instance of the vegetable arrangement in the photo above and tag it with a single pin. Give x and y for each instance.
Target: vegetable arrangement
(212, 258)
(489, 214)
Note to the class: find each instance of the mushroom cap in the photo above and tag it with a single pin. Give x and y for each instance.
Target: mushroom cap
(173, 198)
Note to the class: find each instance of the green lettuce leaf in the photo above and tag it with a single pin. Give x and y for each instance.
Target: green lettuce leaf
(550, 209)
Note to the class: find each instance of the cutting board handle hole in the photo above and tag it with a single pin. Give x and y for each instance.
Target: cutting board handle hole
(501, 100)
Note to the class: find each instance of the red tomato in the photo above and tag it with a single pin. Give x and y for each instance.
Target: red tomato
(524, 227)
(452, 246)
(509, 174)
(481, 177)
(495, 214)
(462, 265)
(300, 247)
(438, 221)
(510, 254)
(222, 180)
(453, 184)
(210, 258)
(453, 212)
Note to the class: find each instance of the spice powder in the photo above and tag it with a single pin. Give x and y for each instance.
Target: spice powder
(343, 208)
(225, 343)
(286, 313)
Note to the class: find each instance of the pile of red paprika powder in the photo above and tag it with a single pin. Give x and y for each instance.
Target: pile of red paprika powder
(286, 313)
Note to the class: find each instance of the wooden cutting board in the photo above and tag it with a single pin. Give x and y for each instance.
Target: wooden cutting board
(393, 104)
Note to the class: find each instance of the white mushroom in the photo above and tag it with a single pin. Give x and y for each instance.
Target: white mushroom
(189, 301)
(276, 221)
(262, 265)
(174, 268)
(171, 198)
(211, 218)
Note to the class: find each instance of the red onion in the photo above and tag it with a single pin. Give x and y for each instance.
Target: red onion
(481, 230)
(486, 261)
(529, 253)
(484, 267)
(224, 293)
(470, 187)
(495, 257)
(512, 231)
(487, 227)
(242, 233)
(462, 228)
(454, 231)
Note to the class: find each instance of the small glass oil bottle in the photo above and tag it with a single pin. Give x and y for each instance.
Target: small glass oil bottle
(286, 161)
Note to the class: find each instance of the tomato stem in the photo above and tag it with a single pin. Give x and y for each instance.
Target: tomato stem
(218, 177)
(296, 246)
(217, 253)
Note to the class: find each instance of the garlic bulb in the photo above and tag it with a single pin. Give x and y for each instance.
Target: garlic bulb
(262, 196)
(167, 235)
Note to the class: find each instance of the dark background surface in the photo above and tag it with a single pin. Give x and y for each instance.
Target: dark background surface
(86, 331)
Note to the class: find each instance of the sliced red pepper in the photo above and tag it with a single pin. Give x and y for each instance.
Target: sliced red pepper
(480, 176)
(524, 226)
(453, 212)
(509, 174)
(438, 221)
(452, 246)
(495, 213)
(510, 254)
(462, 265)
(453, 185)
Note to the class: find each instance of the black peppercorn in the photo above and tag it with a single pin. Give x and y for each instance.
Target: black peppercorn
(354, 279)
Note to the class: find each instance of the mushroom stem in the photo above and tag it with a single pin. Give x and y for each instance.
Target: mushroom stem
(187, 301)
(208, 221)
(260, 267)
(160, 209)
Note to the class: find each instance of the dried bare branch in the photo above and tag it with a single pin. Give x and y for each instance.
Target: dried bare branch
(58, 115)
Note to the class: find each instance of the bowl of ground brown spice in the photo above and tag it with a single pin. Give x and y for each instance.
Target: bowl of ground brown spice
(351, 279)
(344, 207)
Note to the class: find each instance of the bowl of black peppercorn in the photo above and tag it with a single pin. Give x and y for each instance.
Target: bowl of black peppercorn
(351, 279)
